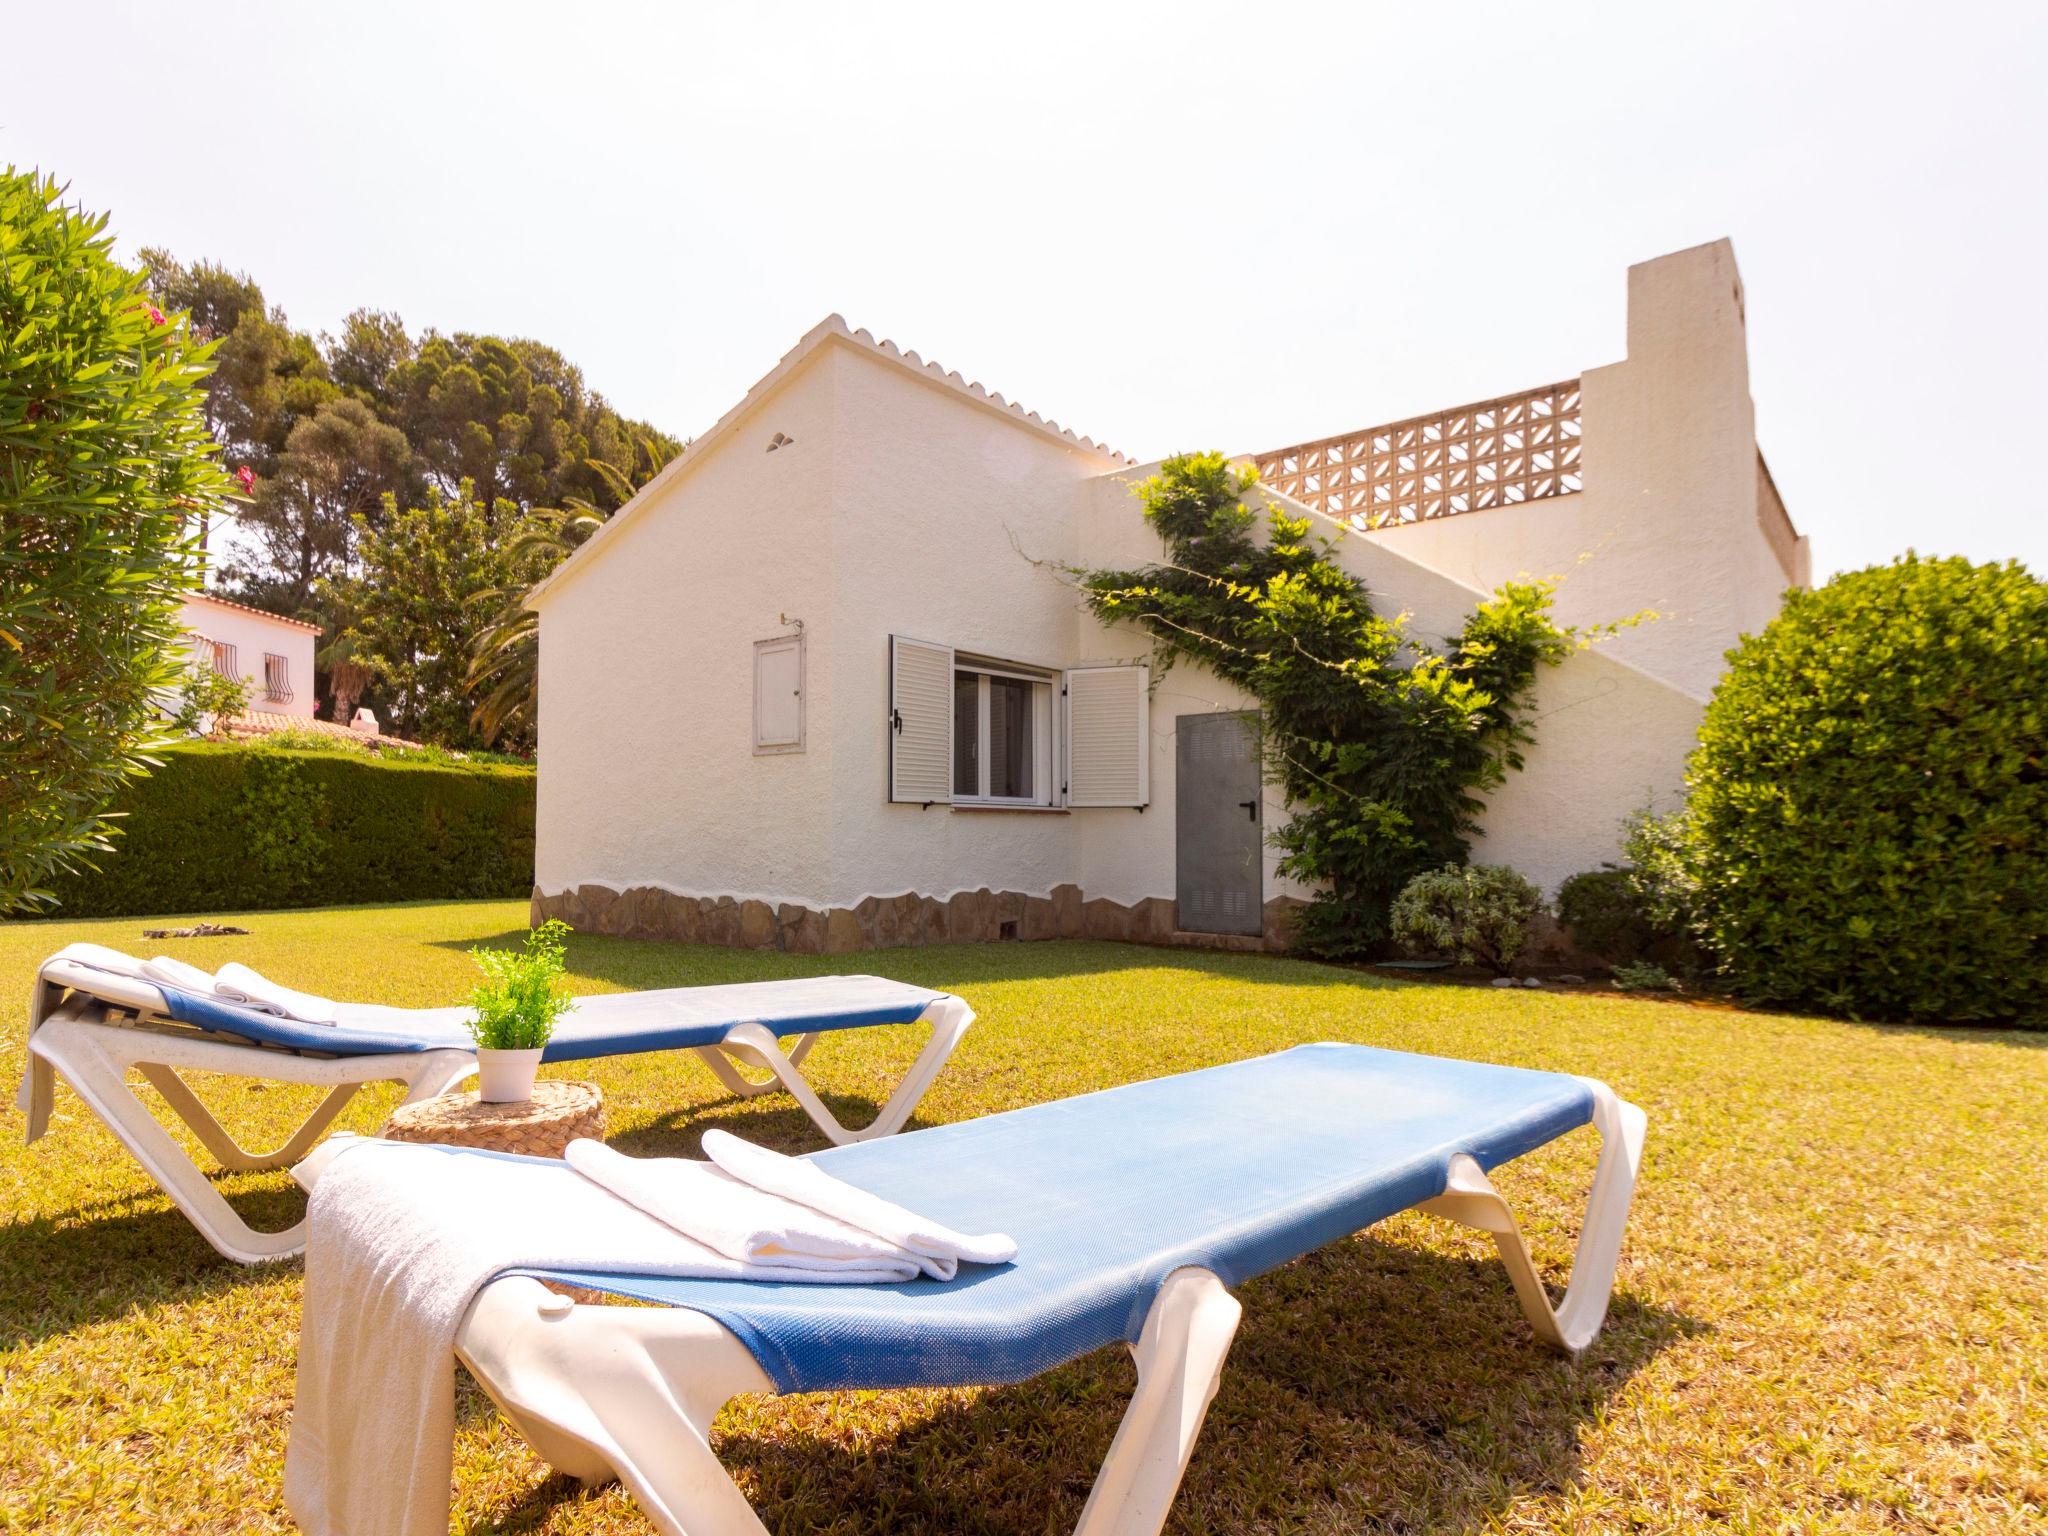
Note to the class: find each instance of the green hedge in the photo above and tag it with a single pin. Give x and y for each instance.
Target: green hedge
(241, 828)
(1869, 810)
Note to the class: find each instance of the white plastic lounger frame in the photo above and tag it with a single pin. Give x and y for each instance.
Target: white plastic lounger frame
(604, 1391)
(94, 1055)
(111, 1023)
(755, 1045)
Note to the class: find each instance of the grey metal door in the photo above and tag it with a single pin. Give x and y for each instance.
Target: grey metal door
(1218, 842)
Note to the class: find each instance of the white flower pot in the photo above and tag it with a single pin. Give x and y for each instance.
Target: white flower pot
(506, 1077)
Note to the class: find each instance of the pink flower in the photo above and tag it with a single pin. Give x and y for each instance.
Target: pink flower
(247, 476)
(156, 316)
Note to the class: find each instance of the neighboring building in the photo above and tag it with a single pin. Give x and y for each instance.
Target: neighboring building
(273, 655)
(822, 683)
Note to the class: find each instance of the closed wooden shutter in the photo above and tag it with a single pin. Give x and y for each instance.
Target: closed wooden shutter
(920, 721)
(779, 695)
(1108, 736)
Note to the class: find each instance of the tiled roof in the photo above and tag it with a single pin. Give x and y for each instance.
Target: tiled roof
(952, 378)
(261, 613)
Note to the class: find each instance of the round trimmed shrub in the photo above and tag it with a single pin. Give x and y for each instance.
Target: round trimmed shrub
(1869, 812)
(1603, 913)
(1480, 913)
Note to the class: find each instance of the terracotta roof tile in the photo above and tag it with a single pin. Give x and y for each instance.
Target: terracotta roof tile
(228, 602)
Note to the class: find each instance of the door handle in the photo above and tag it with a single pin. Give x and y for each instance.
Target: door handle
(1251, 809)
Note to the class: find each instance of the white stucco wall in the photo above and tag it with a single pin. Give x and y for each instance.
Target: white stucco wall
(647, 769)
(940, 509)
(1609, 736)
(1668, 516)
(901, 507)
(253, 634)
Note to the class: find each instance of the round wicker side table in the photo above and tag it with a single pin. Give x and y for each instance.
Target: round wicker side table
(543, 1126)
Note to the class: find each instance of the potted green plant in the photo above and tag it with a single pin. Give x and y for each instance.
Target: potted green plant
(516, 1005)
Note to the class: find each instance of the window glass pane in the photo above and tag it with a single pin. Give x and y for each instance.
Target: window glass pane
(1010, 754)
(967, 733)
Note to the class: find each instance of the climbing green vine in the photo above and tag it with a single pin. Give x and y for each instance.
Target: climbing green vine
(1382, 744)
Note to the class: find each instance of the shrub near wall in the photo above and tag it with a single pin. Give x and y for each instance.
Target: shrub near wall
(237, 828)
(1869, 813)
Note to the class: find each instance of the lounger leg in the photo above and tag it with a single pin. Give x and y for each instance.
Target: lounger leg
(1180, 1361)
(1471, 1200)
(720, 1061)
(216, 1138)
(757, 1045)
(634, 1390)
(94, 1059)
(625, 1391)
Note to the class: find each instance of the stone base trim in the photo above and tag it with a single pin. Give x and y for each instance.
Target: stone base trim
(880, 922)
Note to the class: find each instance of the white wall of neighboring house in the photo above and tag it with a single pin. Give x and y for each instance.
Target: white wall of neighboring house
(858, 493)
(251, 635)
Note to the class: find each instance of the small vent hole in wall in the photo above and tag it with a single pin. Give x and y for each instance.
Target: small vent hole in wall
(1006, 930)
(779, 441)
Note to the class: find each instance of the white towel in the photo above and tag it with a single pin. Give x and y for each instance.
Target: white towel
(166, 972)
(706, 1203)
(402, 1237)
(940, 1250)
(163, 971)
(101, 958)
(237, 983)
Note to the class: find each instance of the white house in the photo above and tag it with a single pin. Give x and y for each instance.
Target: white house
(822, 683)
(273, 655)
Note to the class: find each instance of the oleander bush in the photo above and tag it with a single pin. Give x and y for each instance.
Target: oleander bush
(1868, 824)
(1480, 914)
(242, 827)
(107, 478)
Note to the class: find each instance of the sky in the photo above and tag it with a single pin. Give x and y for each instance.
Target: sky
(1171, 227)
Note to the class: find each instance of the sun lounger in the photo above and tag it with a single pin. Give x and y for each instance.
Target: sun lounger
(1133, 1210)
(90, 1027)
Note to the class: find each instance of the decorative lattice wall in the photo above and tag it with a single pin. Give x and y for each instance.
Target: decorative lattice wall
(1521, 447)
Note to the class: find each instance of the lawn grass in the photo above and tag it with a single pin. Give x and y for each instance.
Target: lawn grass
(1832, 1313)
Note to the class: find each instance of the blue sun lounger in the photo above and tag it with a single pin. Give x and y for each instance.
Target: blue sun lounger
(90, 1026)
(1134, 1211)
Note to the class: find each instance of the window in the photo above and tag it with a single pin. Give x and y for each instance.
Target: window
(965, 730)
(1002, 736)
(779, 695)
(220, 656)
(277, 687)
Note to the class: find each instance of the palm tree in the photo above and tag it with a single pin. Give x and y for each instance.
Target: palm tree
(504, 672)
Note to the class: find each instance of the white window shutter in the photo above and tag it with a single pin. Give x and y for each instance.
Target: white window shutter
(779, 695)
(920, 721)
(1109, 735)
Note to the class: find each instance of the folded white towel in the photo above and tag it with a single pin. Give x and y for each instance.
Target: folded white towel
(100, 958)
(706, 1203)
(166, 972)
(163, 971)
(237, 983)
(401, 1237)
(939, 1249)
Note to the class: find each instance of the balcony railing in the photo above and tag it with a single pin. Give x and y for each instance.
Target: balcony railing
(1495, 453)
